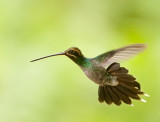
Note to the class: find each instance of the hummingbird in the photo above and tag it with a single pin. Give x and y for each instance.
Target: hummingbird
(116, 85)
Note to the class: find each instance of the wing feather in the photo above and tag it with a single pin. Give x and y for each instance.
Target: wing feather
(120, 54)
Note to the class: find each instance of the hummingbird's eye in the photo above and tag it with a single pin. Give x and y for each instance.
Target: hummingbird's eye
(71, 51)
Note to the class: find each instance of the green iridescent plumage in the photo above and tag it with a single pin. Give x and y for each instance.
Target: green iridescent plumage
(115, 84)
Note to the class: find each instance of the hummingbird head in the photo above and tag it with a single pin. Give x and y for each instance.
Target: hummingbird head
(73, 53)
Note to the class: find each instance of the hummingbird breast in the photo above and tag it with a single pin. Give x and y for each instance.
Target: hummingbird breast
(95, 72)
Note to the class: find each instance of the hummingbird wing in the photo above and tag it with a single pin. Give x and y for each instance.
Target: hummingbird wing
(120, 54)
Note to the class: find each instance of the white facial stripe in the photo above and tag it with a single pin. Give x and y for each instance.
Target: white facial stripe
(74, 55)
(71, 55)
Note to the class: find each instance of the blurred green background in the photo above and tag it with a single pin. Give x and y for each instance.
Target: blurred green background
(55, 89)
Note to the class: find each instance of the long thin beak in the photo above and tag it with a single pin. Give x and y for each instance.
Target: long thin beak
(62, 53)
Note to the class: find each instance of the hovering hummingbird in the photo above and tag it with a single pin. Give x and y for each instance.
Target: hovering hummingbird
(115, 84)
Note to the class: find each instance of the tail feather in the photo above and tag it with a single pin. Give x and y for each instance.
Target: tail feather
(122, 96)
(131, 84)
(128, 92)
(126, 89)
(108, 98)
(121, 70)
(115, 98)
(101, 94)
(125, 77)
(131, 89)
(113, 67)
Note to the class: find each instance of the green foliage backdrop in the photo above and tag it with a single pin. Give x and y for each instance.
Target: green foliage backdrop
(55, 89)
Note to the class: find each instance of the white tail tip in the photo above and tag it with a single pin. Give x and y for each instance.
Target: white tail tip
(132, 105)
(143, 100)
(147, 95)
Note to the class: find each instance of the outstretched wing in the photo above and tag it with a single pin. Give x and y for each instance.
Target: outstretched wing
(120, 54)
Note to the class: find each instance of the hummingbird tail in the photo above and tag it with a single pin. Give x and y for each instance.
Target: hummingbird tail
(126, 89)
